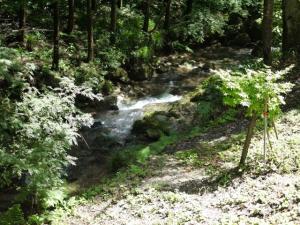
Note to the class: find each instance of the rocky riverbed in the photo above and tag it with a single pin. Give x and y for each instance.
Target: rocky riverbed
(151, 108)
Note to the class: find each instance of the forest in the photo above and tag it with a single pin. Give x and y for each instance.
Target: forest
(149, 112)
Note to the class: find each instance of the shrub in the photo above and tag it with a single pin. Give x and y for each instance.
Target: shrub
(252, 88)
(38, 127)
(13, 216)
(260, 91)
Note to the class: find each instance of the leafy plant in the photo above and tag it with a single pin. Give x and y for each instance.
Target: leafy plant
(38, 127)
(190, 157)
(13, 216)
(261, 92)
(251, 89)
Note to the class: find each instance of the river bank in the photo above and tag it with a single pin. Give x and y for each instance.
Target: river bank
(160, 106)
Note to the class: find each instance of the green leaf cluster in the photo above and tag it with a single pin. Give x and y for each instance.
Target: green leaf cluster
(13, 216)
(254, 88)
(38, 127)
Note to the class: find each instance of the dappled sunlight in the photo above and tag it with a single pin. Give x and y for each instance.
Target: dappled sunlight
(180, 189)
(174, 112)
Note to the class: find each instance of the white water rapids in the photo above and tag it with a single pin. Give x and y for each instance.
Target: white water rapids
(119, 123)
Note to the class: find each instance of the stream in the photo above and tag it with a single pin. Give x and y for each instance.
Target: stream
(119, 123)
(111, 131)
(112, 128)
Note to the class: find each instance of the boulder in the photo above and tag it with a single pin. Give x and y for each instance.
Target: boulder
(120, 75)
(257, 51)
(88, 105)
(108, 87)
(207, 67)
(255, 31)
(240, 40)
(154, 134)
(97, 138)
(103, 141)
(141, 72)
(152, 127)
(97, 124)
(109, 103)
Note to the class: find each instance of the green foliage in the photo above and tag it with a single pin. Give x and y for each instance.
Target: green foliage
(47, 126)
(130, 156)
(111, 58)
(277, 23)
(177, 46)
(34, 38)
(204, 110)
(253, 88)
(203, 24)
(189, 157)
(210, 107)
(229, 115)
(38, 127)
(209, 18)
(144, 53)
(35, 220)
(210, 91)
(39, 122)
(132, 41)
(137, 170)
(131, 35)
(13, 216)
(139, 154)
(90, 75)
(54, 197)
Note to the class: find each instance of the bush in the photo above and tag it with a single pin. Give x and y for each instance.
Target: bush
(209, 18)
(255, 88)
(13, 216)
(261, 92)
(38, 127)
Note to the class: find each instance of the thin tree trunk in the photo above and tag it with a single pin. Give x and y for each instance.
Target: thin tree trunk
(113, 20)
(291, 28)
(22, 21)
(189, 7)
(167, 14)
(90, 31)
(267, 31)
(166, 25)
(71, 9)
(146, 15)
(94, 5)
(55, 60)
(120, 4)
(285, 48)
(248, 140)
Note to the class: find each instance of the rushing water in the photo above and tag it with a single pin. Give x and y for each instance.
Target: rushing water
(119, 123)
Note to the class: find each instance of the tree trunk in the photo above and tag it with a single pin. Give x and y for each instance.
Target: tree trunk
(71, 9)
(267, 31)
(113, 20)
(94, 5)
(146, 15)
(284, 47)
(120, 4)
(248, 140)
(22, 21)
(167, 15)
(291, 28)
(55, 60)
(90, 31)
(189, 7)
